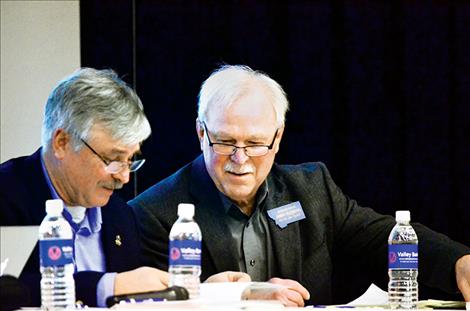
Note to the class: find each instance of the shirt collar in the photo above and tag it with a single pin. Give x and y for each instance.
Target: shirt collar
(90, 224)
(261, 195)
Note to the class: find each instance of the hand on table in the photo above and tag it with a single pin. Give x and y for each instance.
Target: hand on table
(143, 279)
(293, 295)
(462, 275)
(229, 276)
(290, 293)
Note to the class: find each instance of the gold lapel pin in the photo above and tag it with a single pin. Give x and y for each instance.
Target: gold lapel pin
(117, 240)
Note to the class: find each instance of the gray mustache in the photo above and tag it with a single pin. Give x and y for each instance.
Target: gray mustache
(116, 185)
(229, 167)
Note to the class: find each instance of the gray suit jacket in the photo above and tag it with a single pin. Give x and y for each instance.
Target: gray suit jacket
(335, 252)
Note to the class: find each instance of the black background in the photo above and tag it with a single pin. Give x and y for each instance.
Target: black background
(379, 90)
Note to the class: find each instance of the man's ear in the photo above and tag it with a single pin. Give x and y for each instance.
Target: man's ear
(60, 143)
(280, 132)
(200, 132)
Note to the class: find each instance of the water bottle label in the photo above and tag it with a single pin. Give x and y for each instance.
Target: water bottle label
(185, 252)
(56, 252)
(403, 256)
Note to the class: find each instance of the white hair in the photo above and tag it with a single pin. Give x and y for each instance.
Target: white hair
(94, 97)
(229, 82)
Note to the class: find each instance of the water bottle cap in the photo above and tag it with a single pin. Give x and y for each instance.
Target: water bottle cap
(402, 216)
(185, 210)
(54, 207)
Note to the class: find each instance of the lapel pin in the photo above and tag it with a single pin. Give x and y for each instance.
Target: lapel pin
(117, 240)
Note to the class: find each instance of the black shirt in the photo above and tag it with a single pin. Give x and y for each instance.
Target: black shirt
(252, 237)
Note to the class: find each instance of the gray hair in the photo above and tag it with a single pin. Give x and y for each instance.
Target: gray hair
(228, 83)
(89, 97)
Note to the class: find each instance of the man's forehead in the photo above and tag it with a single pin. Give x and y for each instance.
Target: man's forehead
(247, 133)
(114, 145)
(126, 149)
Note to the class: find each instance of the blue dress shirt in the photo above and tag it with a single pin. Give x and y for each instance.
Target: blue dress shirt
(88, 248)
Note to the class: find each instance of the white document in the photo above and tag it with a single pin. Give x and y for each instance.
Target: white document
(224, 291)
(217, 296)
(16, 245)
(373, 296)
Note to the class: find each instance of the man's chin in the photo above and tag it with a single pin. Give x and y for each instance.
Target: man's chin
(102, 200)
(238, 196)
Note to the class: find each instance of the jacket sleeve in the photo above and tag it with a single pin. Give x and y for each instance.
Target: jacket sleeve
(362, 233)
(85, 287)
(154, 235)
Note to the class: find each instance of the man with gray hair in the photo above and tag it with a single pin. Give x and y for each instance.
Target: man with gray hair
(93, 127)
(289, 224)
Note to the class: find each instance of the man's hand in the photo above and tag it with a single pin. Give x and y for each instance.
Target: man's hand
(229, 276)
(290, 293)
(293, 295)
(462, 275)
(143, 279)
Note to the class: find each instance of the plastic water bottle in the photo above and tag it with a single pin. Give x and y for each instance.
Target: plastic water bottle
(403, 264)
(56, 259)
(185, 251)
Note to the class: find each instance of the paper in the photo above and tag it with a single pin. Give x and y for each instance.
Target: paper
(16, 245)
(246, 305)
(219, 296)
(237, 291)
(440, 304)
(374, 295)
(223, 291)
(3, 265)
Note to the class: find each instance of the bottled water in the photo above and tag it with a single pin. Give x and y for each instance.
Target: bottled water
(56, 259)
(403, 264)
(185, 251)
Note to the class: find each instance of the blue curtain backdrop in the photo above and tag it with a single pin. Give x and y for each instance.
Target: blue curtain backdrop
(379, 90)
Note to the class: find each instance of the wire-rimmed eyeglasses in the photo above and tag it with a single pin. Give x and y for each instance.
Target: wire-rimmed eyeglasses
(115, 167)
(230, 149)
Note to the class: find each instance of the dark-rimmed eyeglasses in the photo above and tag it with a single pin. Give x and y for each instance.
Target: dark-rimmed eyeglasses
(230, 149)
(115, 167)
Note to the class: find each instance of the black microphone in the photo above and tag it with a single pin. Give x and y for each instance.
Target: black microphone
(13, 293)
(171, 293)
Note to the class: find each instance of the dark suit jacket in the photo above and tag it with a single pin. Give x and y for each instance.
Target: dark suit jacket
(339, 245)
(23, 192)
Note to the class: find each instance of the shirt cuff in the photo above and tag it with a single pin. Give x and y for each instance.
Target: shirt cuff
(105, 288)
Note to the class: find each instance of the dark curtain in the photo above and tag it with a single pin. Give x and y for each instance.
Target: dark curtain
(379, 90)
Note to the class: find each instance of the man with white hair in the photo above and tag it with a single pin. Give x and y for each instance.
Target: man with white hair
(289, 224)
(93, 127)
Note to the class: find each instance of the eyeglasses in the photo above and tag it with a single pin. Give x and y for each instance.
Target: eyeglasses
(230, 149)
(115, 167)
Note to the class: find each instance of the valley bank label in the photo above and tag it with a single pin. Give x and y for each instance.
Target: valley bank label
(55, 252)
(187, 252)
(403, 256)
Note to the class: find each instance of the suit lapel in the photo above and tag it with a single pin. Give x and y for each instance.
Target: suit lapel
(211, 218)
(286, 242)
(215, 232)
(38, 193)
(38, 189)
(120, 243)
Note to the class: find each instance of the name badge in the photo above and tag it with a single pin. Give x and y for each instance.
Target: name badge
(286, 214)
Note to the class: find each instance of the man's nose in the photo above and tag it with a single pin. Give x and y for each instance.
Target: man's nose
(239, 156)
(123, 176)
